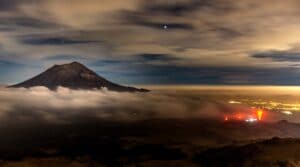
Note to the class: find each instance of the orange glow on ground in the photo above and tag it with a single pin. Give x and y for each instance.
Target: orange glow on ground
(259, 114)
(239, 116)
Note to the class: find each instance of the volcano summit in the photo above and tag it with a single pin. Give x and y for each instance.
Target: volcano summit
(74, 76)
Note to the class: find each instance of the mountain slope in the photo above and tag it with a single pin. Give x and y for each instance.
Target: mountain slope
(73, 76)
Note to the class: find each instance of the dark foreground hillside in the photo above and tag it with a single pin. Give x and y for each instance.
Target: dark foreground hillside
(151, 143)
(273, 152)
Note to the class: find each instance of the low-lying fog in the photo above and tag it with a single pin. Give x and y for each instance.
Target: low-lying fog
(66, 106)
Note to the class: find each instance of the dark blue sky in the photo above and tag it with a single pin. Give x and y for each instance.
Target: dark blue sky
(154, 42)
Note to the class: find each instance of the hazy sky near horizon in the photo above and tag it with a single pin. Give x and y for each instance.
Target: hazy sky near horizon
(154, 42)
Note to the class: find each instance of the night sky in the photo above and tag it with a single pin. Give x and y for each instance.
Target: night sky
(154, 41)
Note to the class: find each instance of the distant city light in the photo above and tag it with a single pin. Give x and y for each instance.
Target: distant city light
(257, 115)
(287, 112)
(234, 102)
(251, 120)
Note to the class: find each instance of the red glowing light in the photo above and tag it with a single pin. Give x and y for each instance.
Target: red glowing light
(259, 114)
(239, 116)
(256, 115)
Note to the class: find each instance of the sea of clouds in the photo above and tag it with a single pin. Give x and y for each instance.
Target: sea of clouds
(66, 106)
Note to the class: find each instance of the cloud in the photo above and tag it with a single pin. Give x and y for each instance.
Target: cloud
(200, 33)
(6, 5)
(180, 8)
(65, 57)
(279, 56)
(54, 41)
(139, 20)
(170, 26)
(67, 105)
(156, 57)
(70, 106)
(20, 21)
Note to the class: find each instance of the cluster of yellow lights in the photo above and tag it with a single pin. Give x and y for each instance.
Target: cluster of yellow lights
(285, 108)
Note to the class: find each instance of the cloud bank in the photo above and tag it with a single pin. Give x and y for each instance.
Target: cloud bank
(67, 105)
(39, 104)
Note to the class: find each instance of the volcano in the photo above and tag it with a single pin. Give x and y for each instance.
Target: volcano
(74, 76)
